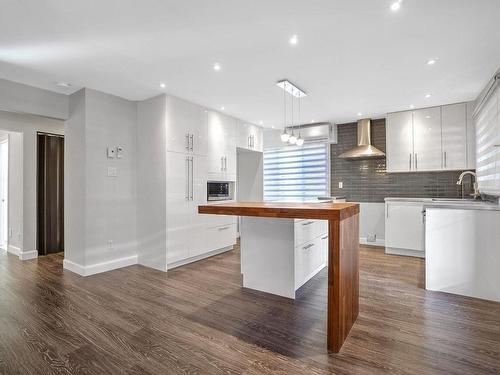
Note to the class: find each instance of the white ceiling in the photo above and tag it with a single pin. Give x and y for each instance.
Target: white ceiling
(352, 56)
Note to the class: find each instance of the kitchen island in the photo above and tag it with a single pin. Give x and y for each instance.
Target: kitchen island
(343, 247)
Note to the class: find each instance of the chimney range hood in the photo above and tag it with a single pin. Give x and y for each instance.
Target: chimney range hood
(364, 150)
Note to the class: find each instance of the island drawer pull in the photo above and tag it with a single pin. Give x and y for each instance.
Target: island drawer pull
(308, 223)
(307, 247)
(324, 238)
(224, 228)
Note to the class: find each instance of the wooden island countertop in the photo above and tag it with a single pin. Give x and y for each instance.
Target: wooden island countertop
(343, 253)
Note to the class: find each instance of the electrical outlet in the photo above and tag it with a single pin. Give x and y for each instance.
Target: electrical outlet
(371, 238)
(341, 185)
(110, 244)
(111, 151)
(119, 152)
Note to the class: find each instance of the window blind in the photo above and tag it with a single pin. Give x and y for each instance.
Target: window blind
(296, 173)
(487, 121)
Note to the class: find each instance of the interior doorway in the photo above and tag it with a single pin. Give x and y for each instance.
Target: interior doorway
(4, 191)
(50, 193)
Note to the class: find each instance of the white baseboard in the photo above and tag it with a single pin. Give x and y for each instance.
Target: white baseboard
(378, 242)
(27, 255)
(14, 250)
(405, 252)
(99, 267)
(198, 257)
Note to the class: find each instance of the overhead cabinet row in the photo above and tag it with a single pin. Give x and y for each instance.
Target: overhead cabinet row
(431, 139)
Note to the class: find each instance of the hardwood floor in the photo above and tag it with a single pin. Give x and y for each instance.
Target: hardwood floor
(197, 319)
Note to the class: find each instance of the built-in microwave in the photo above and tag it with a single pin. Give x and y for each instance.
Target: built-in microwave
(218, 191)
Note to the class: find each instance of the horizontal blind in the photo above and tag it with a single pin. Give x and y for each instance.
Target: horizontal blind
(487, 121)
(295, 173)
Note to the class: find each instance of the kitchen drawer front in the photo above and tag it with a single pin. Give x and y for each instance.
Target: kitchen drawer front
(212, 221)
(308, 230)
(308, 259)
(220, 237)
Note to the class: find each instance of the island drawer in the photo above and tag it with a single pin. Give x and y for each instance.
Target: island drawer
(307, 230)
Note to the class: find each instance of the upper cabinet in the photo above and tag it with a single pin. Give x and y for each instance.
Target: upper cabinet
(429, 139)
(250, 136)
(221, 147)
(186, 127)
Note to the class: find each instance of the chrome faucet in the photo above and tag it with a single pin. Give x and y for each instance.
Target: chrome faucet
(476, 193)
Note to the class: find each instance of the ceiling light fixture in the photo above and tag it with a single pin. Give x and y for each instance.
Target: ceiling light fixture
(261, 122)
(293, 138)
(290, 88)
(395, 6)
(412, 106)
(312, 121)
(222, 108)
(360, 114)
(216, 67)
(427, 96)
(432, 61)
(284, 136)
(162, 85)
(63, 84)
(294, 39)
(300, 140)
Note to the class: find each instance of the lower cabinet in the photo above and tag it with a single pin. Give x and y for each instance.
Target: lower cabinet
(404, 228)
(311, 249)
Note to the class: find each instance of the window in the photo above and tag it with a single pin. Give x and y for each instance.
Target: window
(296, 173)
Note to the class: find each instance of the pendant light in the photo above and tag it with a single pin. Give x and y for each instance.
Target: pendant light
(293, 138)
(300, 140)
(284, 136)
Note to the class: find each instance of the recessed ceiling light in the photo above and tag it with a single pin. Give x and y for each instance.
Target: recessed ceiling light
(261, 122)
(412, 106)
(162, 85)
(272, 126)
(428, 95)
(432, 61)
(312, 121)
(63, 84)
(222, 108)
(396, 5)
(216, 66)
(294, 39)
(360, 114)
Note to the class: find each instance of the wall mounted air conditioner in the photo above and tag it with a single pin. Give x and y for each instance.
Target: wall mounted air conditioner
(321, 132)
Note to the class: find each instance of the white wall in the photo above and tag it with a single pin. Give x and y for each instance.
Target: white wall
(28, 126)
(110, 203)
(15, 194)
(250, 176)
(151, 183)
(16, 97)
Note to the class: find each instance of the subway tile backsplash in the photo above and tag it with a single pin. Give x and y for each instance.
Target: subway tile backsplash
(368, 181)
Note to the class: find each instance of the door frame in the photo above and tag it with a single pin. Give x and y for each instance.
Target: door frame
(6, 225)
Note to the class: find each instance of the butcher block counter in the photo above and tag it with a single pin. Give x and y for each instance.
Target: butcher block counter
(274, 252)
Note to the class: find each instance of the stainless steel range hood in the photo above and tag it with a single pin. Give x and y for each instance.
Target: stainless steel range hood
(364, 150)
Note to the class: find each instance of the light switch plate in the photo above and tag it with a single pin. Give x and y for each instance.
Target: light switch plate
(112, 172)
(111, 152)
(341, 185)
(119, 152)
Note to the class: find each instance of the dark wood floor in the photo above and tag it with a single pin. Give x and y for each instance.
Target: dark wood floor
(197, 319)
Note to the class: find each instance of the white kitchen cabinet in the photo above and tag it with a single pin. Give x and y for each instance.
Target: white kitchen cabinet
(221, 147)
(404, 228)
(471, 137)
(250, 136)
(454, 136)
(186, 127)
(399, 135)
(427, 139)
(430, 139)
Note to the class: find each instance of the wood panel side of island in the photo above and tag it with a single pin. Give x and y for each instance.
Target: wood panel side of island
(343, 279)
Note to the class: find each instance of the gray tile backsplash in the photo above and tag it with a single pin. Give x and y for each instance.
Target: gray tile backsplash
(368, 181)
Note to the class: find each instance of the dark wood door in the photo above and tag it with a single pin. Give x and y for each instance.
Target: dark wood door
(50, 193)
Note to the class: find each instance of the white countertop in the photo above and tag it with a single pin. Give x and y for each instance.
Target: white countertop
(444, 203)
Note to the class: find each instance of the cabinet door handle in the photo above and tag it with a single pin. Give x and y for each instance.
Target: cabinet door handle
(324, 238)
(410, 163)
(187, 178)
(416, 162)
(251, 141)
(308, 223)
(224, 228)
(445, 159)
(387, 211)
(222, 163)
(192, 178)
(191, 138)
(225, 163)
(187, 141)
(307, 247)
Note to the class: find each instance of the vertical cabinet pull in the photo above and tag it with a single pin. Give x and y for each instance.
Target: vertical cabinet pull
(445, 159)
(225, 163)
(416, 162)
(192, 178)
(187, 141)
(410, 163)
(191, 138)
(187, 178)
